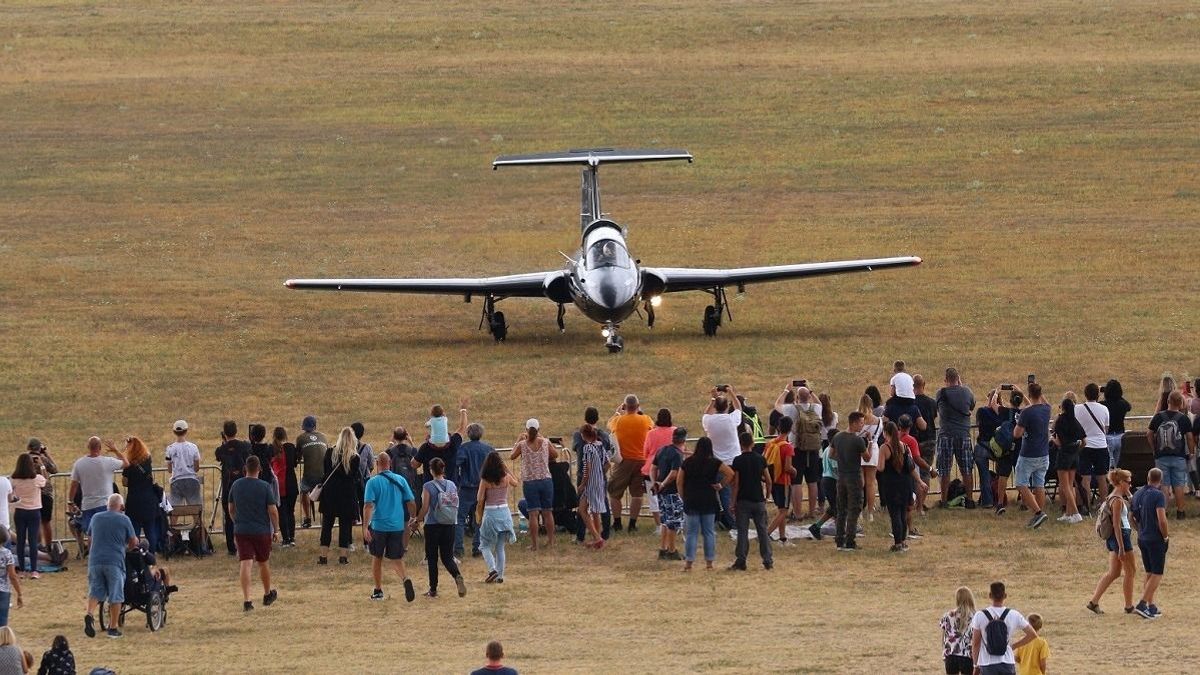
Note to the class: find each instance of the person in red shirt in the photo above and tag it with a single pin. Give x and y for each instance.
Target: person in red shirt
(905, 423)
(778, 454)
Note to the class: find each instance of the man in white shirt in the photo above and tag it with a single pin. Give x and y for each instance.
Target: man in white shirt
(721, 421)
(92, 476)
(5, 501)
(902, 383)
(1093, 417)
(183, 461)
(987, 663)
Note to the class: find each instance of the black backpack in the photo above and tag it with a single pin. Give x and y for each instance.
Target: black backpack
(995, 634)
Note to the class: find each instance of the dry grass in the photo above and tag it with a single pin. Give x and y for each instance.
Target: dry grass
(167, 167)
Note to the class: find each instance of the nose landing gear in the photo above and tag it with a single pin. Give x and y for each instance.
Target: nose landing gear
(615, 343)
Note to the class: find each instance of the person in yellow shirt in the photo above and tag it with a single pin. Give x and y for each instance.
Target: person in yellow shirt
(629, 428)
(1032, 658)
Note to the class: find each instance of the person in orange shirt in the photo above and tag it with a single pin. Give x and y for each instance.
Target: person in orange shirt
(629, 429)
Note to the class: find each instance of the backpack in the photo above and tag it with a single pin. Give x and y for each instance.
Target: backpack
(956, 490)
(445, 505)
(1104, 525)
(57, 553)
(995, 634)
(199, 543)
(1002, 441)
(808, 429)
(1169, 438)
(773, 457)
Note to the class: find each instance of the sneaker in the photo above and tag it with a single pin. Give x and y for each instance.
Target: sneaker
(969, 503)
(1063, 518)
(270, 597)
(491, 577)
(914, 533)
(462, 585)
(35, 576)
(1077, 518)
(476, 553)
(1000, 510)
(114, 634)
(904, 546)
(1155, 611)
(1129, 610)
(616, 526)
(1094, 607)
(410, 593)
(305, 524)
(1039, 518)
(322, 560)
(895, 548)
(343, 560)
(632, 526)
(377, 594)
(815, 531)
(430, 593)
(1180, 515)
(851, 546)
(1143, 610)
(737, 567)
(500, 580)
(768, 566)
(89, 626)
(247, 606)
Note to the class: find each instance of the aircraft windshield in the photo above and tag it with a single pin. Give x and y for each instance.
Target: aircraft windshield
(607, 253)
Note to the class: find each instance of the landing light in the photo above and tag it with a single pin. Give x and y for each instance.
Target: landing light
(605, 332)
(656, 301)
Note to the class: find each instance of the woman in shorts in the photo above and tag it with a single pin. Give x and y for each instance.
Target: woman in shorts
(536, 453)
(1120, 547)
(956, 633)
(1068, 438)
(871, 431)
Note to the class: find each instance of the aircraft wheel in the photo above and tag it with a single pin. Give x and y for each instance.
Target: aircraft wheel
(615, 345)
(710, 321)
(498, 327)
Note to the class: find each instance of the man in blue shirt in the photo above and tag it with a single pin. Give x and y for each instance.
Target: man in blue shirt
(1149, 512)
(470, 461)
(112, 534)
(1033, 428)
(388, 509)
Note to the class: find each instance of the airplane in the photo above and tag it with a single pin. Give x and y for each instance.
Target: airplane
(602, 279)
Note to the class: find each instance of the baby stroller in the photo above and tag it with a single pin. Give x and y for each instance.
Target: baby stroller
(146, 591)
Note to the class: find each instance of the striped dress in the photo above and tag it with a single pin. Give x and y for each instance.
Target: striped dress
(596, 490)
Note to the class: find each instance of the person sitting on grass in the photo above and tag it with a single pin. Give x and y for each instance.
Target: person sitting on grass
(58, 660)
(667, 462)
(1032, 658)
(956, 633)
(495, 661)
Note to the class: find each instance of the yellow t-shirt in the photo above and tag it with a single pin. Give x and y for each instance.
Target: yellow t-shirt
(1030, 657)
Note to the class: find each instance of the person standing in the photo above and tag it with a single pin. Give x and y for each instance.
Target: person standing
(1094, 460)
(9, 583)
(439, 513)
(46, 465)
(312, 447)
(593, 491)
(897, 477)
(926, 437)
(920, 487)
(667, 462)
(956, 633)
(658, 437)
(1068, 434)
(1149, 513)
(987, 419)
(629, 428)
(700, 479)
(721, 421)
(254, 510)
(1032, 658)
(1033, 430)
(231, 455)
(849, 451)
(592, 416)
(750, 503)
(494, 516)
(778, 454)
(91, 479)
(387, 503)
(536, 453)
(992, 630)
(1170, 434)
(141, 494)
(1118, 408)
(829, 481)
(471, 456)
(284, 460)
(807, 431)
(366, 461)
(339, 498)
(27, 483)
(112, 534)
(1120, 546)
(871, 432)
(265, 452)
(183, 463)
(955, 402)
(402, 452)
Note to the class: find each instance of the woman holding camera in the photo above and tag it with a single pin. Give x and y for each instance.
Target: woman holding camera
(27, 482)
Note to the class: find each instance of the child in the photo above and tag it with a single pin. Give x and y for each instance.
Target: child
(439, 426)
(1031, 659)
(828, 489)
(58, 660)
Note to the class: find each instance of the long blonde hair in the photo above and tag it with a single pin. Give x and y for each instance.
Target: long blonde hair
(867, 407)
(7, 636)
(965, 600)
(346, 449)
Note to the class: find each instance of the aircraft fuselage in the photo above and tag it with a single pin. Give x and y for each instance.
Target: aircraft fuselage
(605, 283)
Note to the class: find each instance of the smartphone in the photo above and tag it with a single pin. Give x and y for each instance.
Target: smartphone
(800, 383)
(1187, 388)
(1006, 387)
(1032, 378)
(722, 387)
(556, 440)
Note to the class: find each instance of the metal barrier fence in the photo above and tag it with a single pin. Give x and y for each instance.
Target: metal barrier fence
(210, 475)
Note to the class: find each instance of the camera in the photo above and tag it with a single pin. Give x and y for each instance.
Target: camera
(1006, 387)
(556, 440)
(723, 387)
(800, 383)
(1032, 378)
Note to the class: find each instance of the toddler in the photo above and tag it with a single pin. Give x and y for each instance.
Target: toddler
(439, 427)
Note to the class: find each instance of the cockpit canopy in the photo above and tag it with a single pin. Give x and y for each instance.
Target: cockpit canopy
(608, 253)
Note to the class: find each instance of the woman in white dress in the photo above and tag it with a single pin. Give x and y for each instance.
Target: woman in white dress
(872, 428)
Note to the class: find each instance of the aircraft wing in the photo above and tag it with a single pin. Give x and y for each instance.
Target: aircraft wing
(675, 279)
(515, 285)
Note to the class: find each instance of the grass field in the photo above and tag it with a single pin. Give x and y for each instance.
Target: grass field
(167, 167)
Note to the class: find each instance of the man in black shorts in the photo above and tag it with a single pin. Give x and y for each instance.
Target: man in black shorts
(388, 506)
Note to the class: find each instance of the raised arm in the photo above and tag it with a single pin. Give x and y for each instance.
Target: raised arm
(462, 417)
(780, 401)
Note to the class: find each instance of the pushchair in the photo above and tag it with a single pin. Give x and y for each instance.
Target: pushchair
(146, 591)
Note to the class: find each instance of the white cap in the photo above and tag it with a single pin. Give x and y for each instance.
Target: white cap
(181, 425)
(532, 423)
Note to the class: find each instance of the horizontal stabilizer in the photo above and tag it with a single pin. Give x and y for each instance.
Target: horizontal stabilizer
(591, 157)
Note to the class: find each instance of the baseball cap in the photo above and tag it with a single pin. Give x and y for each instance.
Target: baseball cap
(532, 423)
(35, 444)
(309, 423)
(680, 434)
(181, 425)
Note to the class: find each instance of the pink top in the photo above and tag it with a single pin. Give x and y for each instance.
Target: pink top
(655, 439)
(535, 461)
(28, 492)
(496, 496)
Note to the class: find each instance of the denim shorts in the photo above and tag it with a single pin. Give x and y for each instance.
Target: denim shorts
(1031, 472)
(1125, 539)
(85, 517)
(106, 583)
(1174, 470)
(539, 494)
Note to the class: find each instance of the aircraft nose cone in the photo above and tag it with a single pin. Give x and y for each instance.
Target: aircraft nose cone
(611, 293)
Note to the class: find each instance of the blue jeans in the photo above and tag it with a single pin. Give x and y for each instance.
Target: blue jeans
(726, 500)
(701, 524)
(150, 528)
(1114, 449)
(982, 457)
(5, 599)
(28, 524)
(467, 498)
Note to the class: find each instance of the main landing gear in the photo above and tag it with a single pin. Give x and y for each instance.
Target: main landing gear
(495, 320)
(714, 312)
(615, 343)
